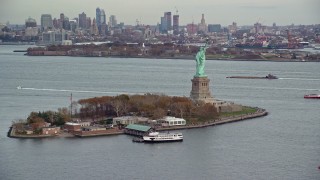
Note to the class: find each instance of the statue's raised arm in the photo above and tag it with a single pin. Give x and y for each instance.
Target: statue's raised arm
(200, 60)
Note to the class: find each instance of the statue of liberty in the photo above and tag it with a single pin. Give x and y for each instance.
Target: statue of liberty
(200, 60)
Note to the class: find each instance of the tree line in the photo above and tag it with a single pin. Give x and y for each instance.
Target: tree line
(152, 106)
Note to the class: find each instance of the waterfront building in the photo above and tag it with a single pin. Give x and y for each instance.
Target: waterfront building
(137, 130)
(175, 24)
(83, 20)
(173, 121)
(46, 22)
(203, 26)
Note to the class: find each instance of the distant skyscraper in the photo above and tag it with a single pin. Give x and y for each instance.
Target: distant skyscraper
(98, 16)
(168, 18)
(166, 22)
(175, 24)
(61, 20)
(46, 22)
(112, 21)
(103, 17)
(83, 20)
(163, 25)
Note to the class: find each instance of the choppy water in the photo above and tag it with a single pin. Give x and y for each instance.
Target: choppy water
(283, 145)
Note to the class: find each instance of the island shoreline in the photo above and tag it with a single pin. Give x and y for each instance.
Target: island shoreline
(259, 113)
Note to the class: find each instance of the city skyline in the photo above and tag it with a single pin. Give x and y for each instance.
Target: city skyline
(244, 12)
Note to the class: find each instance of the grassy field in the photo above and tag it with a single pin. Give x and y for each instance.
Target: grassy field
(245, 110)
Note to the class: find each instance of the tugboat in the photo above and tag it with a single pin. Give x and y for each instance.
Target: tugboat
(269, 76)
(312, 96)
(162, 137)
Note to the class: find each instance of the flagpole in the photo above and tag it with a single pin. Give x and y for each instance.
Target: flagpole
(71, 106)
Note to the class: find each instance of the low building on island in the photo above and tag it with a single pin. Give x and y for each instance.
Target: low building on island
(50, 130)
(137, 129)
(173, 121)
(126, 120)
(71, 127)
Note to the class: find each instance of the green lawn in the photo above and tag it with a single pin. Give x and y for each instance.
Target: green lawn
(245, 110)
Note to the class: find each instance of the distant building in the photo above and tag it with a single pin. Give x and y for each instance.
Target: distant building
(175, 24)
(98, 16)
(88, 25)
(83, 20)
(112, 21)
(31, 31)
(56, 24)
(203, 26)
(101, 20)
(94, 28)
(166, 23)
(103, 17)
(53, 37)
(233, 28)
(192, 28)
(214, 28)
(46, 22)
(73, 24)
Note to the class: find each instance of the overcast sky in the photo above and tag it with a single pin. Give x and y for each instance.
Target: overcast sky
(224, 12)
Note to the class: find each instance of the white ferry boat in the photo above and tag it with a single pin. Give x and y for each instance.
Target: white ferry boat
(162, 137)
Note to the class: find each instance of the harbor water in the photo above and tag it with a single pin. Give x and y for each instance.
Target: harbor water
(283, 145)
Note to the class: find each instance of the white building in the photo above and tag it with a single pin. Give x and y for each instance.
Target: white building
(173, 121)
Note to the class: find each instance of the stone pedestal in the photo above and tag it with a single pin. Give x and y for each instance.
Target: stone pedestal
(200, 90)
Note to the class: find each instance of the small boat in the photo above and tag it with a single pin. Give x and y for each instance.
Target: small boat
(312, 96)
(162, 137)
(269, 76)
(19, 87)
